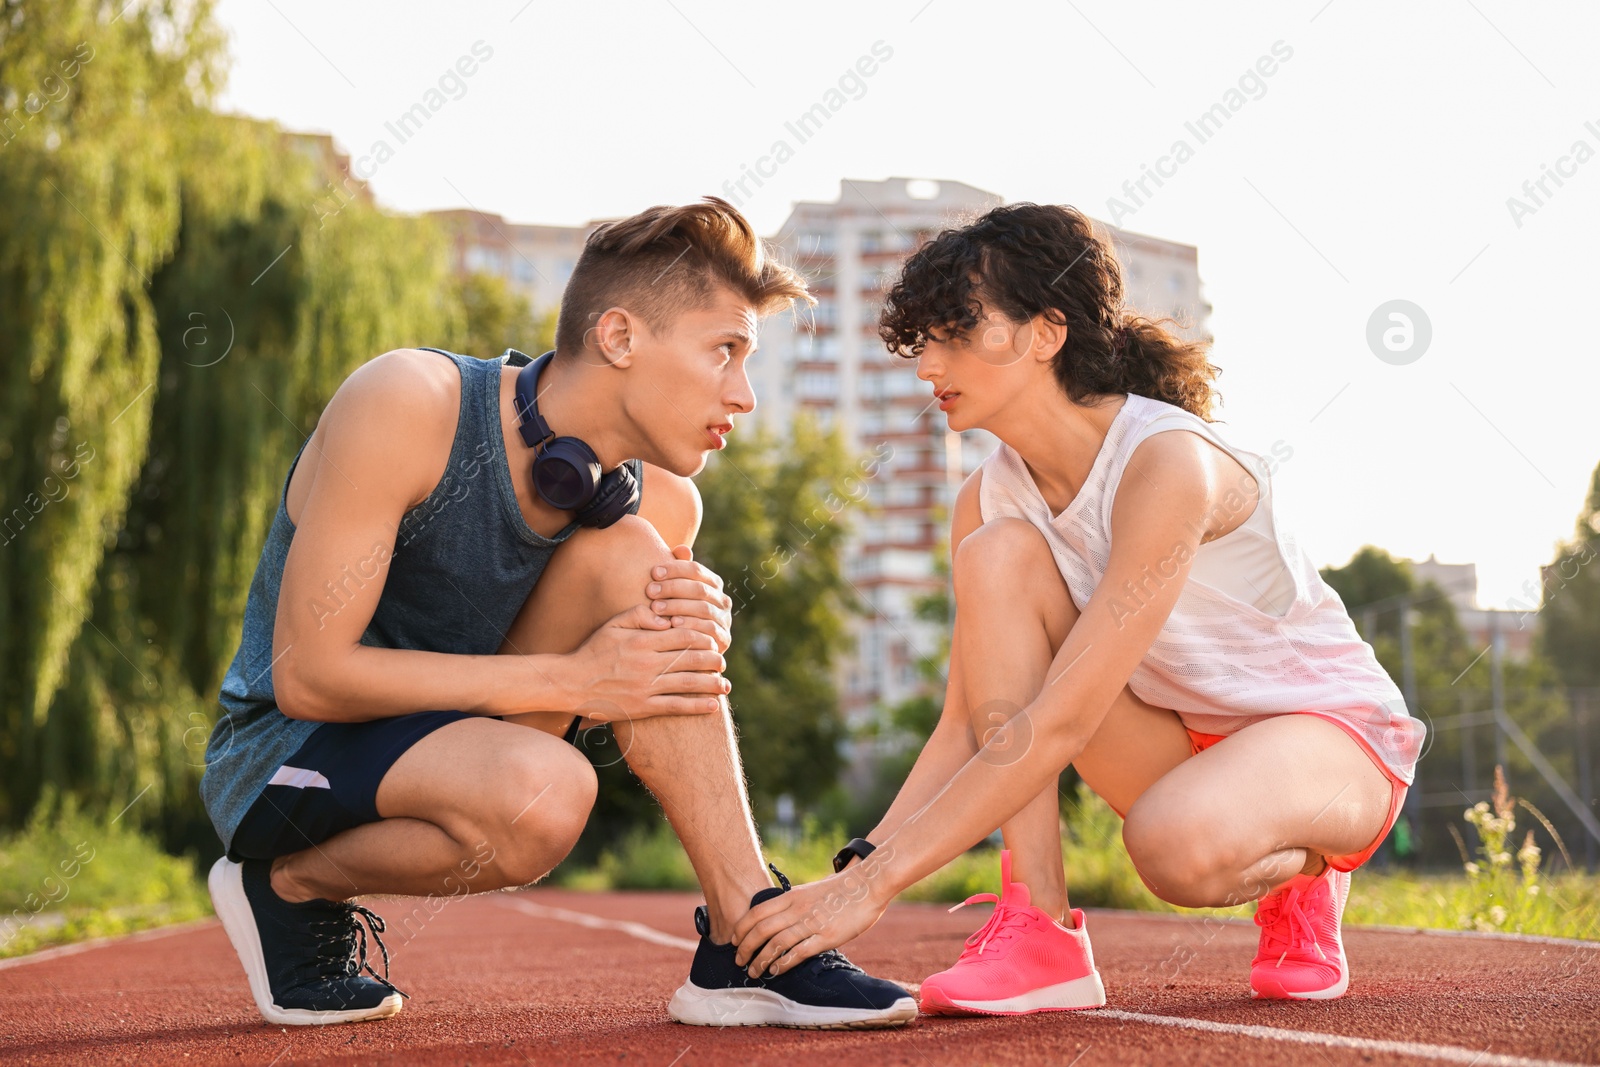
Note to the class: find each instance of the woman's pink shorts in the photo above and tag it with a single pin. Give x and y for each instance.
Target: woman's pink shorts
(1199, 742)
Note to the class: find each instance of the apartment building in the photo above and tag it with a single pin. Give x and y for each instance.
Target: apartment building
(535, 260)
(1459, 583)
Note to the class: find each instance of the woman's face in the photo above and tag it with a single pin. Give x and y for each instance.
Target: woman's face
(978, 373)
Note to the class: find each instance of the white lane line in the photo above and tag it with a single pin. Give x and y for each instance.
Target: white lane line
(56, 953)
(1442, 1053)
(1420, 1050)
(594, 922)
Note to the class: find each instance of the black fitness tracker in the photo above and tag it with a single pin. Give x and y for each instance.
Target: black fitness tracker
(859, 848)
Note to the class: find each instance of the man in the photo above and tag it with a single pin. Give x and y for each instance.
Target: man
(414, 565)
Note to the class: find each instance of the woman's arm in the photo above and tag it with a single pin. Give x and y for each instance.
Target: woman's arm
(1158, 520)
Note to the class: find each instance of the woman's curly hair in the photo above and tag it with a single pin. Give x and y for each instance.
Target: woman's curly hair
(1024, 260)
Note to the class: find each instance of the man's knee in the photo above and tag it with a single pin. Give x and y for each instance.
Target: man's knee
(595, 575)
(630, 539)
(618, 559)
(536, 810)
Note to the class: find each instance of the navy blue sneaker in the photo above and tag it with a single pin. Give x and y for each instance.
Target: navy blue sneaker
(307, 963)
(825, 992)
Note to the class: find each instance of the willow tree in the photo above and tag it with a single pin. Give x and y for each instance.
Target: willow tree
(495, 317)
(93, 110)
(252, 309)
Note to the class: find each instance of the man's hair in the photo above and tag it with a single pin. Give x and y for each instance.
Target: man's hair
(666, 260)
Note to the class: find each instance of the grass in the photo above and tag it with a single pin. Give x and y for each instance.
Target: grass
(1568, 906)
(67, 877)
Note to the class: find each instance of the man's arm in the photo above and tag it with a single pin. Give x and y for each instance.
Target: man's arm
(366, 475)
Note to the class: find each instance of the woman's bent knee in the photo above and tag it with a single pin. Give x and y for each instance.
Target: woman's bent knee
(1000, 543)
(1179, 853)
(1006, 558)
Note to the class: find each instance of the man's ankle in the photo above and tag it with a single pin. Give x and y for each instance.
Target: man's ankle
(284, 886)
(724, 909)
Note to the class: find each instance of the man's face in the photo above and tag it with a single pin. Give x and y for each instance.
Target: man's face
(687, 383)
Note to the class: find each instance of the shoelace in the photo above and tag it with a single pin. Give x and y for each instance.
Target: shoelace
(833, 960)
(828, 959)
(1288, 935)
(782, 881)
(346, 949)
(1003, 921)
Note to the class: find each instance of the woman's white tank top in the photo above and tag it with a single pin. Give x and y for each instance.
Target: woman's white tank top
(1255, 632)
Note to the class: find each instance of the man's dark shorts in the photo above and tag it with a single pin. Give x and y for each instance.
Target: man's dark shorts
(331, 782)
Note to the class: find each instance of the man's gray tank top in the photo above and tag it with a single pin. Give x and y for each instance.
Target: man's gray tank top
(463, 562)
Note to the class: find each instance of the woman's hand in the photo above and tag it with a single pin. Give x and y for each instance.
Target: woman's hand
(691, 596)
(808, 919)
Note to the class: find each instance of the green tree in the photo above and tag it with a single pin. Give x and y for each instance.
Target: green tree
(544, 331)
(776, 515)
(1569, 599)
(898, 732)
(1452, 678)
(494, 317)
(250, 312)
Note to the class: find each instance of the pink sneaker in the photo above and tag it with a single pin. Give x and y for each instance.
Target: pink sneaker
(1018, 962)
(1302, 953)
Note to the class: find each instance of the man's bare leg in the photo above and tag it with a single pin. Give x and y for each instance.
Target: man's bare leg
(689, 762)
(478, 803)
(522, 795)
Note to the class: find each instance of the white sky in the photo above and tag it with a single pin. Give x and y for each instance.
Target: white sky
(1375, 166)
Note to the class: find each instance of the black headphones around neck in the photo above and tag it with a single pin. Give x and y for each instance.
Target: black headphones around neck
(566, 472)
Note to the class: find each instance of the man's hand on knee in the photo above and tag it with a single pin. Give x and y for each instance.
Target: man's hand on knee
(692, 596)
(639, 664)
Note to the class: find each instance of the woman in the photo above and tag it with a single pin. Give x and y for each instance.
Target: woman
(1127, 603)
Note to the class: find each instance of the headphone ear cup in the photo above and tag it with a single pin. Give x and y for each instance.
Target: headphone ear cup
(566, 474)
(616, 496)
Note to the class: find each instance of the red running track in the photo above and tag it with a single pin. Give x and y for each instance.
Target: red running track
(548, 976)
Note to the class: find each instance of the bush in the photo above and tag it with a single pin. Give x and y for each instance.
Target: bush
(1503, 891)
(66, 877)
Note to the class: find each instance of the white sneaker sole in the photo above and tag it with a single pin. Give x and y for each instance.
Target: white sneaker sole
(1077, 995)
(762, 1007)
(226, 884)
